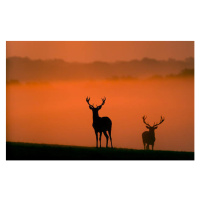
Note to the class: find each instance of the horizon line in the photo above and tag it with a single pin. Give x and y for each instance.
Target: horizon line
(99, 61)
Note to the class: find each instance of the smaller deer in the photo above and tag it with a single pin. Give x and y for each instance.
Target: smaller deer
(149, 136)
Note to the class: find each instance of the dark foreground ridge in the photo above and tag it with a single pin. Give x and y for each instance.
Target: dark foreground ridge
(29, 151)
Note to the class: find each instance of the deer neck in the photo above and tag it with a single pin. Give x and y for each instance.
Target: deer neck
(152, 134)
(95, 116)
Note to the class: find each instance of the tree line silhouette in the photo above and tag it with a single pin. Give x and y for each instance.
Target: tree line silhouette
(104, 125)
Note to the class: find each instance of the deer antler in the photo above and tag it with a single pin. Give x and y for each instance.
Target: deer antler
(103, 102)
(88, 101)
(144, 118)
(161, 121)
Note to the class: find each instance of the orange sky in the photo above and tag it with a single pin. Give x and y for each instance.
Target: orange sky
(57, 112)
(84, 51)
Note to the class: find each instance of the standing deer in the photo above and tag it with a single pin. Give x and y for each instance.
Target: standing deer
(100, 124)
(149, 136)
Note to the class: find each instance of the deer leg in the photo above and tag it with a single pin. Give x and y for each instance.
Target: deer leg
(152, 146)
(147, 146)
(106, 138)
(110, 138)
(100, 138)
(144, 146)
(96, 139)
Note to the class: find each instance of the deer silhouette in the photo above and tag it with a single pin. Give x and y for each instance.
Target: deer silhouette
(149, 136)
(100, 124)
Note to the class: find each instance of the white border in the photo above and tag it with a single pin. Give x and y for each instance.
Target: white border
(99, 20)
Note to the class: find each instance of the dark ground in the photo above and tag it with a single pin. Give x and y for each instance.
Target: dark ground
(28, 151)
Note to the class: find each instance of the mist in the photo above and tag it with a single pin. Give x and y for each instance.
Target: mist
(57, 112)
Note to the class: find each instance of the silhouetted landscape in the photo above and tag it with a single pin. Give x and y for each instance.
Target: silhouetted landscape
(27, 70)
(47, 103)
(28, 151)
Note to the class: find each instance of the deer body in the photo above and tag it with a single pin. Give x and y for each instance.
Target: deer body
(148, 137)
(100, 124)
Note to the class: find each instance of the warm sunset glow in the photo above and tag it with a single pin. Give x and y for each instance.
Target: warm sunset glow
(111, 51)
(56, 112)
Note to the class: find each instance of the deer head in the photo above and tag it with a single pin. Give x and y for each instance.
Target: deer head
(155, 126)
(97, 107)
